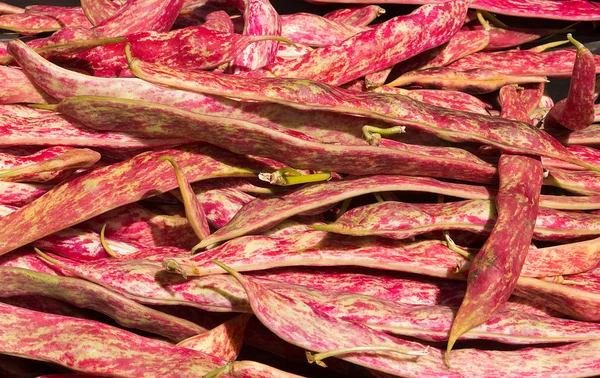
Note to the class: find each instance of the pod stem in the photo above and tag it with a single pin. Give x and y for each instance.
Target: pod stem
(549, 45)
(575, 42)
(373, 134)
(494, 20)
(173, 266)
(52, 107)
(484, 23)
(289, 176)
(455, 248)
(277, 38)
(105, 245)
(344, 207)
(225, 370)
(318, 357)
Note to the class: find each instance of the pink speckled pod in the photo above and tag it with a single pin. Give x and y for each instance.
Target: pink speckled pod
(66, 16)
(83, 245)
(221, 205)
(26, 258)
(294, 148)
(432, 323)
(377, 78)
(559, 10)
(252, 369)
(146, 282)
(531, 95)
(18, 88)
(262, 214)
(511, 104)
(356, 16)
(398, 39)
(590, 135)
(308, 95)
(195, 47)
(48, 165)
(316, 31)
(16, 281)
(68, 40)
(386, 285)
(398, 220)
(19, 194)
(136, 224)
(260, 18)
(576, 112)
(10, 9)
(93, 347)
(580, 182)
(463, 43)
(475, 81)
(282, 314)
(140, 15)
(44, 18)
(578, 297)
(128, 181)
(557, 63)
(446, 99)
(218, 21)
(194, 211)
(505, 37)
(224, 341)
(312, 248)
(99, 10)
(552, 9)
(62, 83)
(48, 129)
(495, 269)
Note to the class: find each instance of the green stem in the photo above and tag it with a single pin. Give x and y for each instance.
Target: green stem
(575, 42)
(378, 197)
(288, 176)
(172, 266)
(549, 45)
(494, 20)
(344, 207)
(276, 38)
(454, 248)
(128, 55)
(52, 107)
(318, 357)
(485, 23)
(219, 372)
(373, 134)
(105, 245)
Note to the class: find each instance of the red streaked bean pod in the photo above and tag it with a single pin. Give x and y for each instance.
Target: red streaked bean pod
(475, 81)
(576, 112)
(557, 63)
(294, 148)
(140, 15)
(260, 18)
(397, 39)
(93, 347)
(305, 94)
(18, 88)
(356, 16)
(495, 269)
(126, 182)
(399, 220)
(16, 281)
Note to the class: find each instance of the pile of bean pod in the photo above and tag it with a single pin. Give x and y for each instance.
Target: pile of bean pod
(217, 189)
